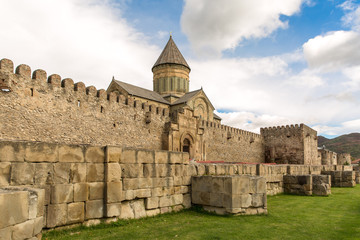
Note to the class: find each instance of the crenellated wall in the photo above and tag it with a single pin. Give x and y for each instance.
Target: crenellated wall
(295, 144)
(230, 144)
(41, 108)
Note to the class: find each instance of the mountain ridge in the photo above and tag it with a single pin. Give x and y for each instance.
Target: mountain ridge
(347, 143)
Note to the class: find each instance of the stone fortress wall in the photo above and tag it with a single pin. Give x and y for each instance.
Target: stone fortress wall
(41, 108)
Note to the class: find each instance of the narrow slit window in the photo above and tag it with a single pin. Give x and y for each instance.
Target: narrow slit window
(78, 103)
(102, 110)
(31, 92)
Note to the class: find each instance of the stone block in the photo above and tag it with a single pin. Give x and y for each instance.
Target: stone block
(62, 193)
(161, 170)
(41, 152)
(175, 157)
(129, 195)
(4, 173)
(217, 185)
(165, 210)
(94, 209)
(36, 202)
(5, 233)
(201, 184)
(132, 170)
(165, 201)
(220, 169)
(113, 209)
(22, 173)
(96, 155)
(78, 172)
(185, 158)
(12, 152)
(151, 203)
(210, 169)
(145, 156)
(156, 192)
(76, 212)
(149, 170)
(38, 225)
(200, 169)
(246, 200)
(126, 211)
(142, 193)
(96, 190)
(139, 208)
(178, 181)
(161, 157)
(113, 192)
(61, 173)
(23, 230)
(113, 172)
(190, 170)
(81, 191)
(14, 208)
(187, 201)
(44, 173)
(152, 212)
(71, 153)
(128, 156)
(95, 172)
(177, 199)
(257, 200)
(91, 222)
(216, 199)
(131, 183)
(202, 198)
(56, 215)
(145, 182)
(179, 170)
(240, 185)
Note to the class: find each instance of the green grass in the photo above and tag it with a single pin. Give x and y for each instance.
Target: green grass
(290, 217)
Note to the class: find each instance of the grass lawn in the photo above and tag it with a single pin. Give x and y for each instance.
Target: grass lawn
(290, 217)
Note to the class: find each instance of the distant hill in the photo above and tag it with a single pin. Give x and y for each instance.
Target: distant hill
(349, 143)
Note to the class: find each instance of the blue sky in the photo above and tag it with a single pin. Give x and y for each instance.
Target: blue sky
(262, 63)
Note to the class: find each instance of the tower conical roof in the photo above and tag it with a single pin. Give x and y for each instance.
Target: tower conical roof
(171, 54)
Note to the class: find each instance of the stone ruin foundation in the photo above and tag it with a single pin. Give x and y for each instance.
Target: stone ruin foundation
(307, 185)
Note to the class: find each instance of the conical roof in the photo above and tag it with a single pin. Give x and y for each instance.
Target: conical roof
(171, 54)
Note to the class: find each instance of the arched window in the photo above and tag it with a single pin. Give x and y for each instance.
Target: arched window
(186, 145)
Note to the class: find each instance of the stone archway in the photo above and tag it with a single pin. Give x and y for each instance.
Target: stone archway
(187, 144)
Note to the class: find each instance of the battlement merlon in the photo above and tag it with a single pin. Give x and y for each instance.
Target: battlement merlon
(288, 129)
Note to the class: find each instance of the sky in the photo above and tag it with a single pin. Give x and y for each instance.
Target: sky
(261, 63)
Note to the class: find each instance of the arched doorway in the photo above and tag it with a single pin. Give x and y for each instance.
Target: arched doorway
(186, 145)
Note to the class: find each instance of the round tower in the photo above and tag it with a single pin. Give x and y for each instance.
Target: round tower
(171, 72)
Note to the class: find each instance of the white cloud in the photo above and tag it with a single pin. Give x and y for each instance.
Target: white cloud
(352, 16)
(213, 26)
(343, 128)
(86, 40)
(353, 74)
(333, 51)
(306, 78)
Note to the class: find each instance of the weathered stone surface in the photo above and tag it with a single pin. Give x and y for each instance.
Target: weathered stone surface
(175, 157)
(131, 183)
(76, 212)
(113, 154)
(114, 192)
(23, 230)
(144, 156)
(78, 172)
(22, 173)
(95, 172)
(81, 191)
(41, 152)
(36, 202)
(132, 170)
(4, 174)
(187, 201)
(150, 170)
(62, 193)
(71, 153)
(142, 193)
(94, 209)
(145, 182)
(113, 171)
(139, 209)
(44, 173)
(128, 195)
(5, 233)
(38, 225)
(177, 199)
(56, 215)
(14, 207)
(12, 151)
(113, 209)
(128, 156)
(152, 212)
(61, 173)
(151, 203)
(95, 154)
(96, 190)
(165, 201)
(161, 157)
(126, 211)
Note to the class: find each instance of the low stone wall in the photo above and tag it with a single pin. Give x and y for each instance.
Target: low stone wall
(341, 178)
(84, 184)
(230, 194)
(21, 215)
(307, 184)
(357, 173)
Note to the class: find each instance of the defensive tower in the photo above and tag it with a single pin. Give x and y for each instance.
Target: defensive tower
(171, 73)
